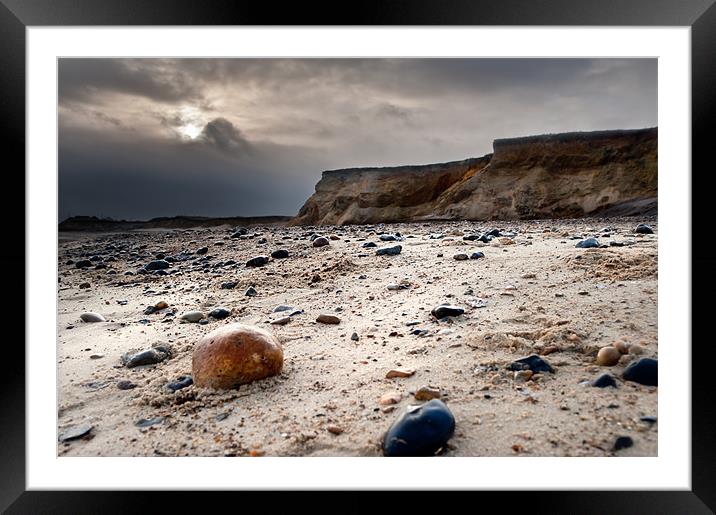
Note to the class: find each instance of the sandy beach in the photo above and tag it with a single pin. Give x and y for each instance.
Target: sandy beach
(533, 292)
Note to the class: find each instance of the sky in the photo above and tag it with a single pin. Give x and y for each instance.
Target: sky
(142, 138)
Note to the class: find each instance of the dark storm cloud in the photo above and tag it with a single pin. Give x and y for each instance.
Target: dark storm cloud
(156, 137)
(221, 133)
(83, 79)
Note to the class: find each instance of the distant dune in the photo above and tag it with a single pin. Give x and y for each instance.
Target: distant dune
(94, 224)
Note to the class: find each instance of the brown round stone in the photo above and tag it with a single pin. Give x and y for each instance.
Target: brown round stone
(608, 356)
(235, 354)
(622, 346)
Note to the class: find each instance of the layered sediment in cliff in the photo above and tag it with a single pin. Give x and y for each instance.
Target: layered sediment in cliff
(550, 176)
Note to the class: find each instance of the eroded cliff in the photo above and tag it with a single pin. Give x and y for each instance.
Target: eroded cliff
(550, 176)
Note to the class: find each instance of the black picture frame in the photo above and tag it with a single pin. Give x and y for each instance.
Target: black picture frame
(700, 15)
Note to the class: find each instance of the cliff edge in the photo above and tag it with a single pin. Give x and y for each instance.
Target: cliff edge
(568, 175)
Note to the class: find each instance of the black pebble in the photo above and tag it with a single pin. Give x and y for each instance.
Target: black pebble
(180, 383)
(623, 442)
(126, 385)
(159, 264)
(202, 250)
(421, 431)
(257, 261)
(605, 380)
(643, 229)
(279, 254)
(533, 363)
(83, 263)
(644, 371)
(446, 310)
(219, 313)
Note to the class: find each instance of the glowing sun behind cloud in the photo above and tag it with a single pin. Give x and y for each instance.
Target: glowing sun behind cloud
(190, 130)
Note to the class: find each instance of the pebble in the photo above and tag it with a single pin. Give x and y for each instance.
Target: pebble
(369, 245)
(84, 286)
(622, 346)
(229, 285)
(84, 263)
(159, 264)
(74, 432)
(279, 254)
(149, 310)
(461, 257)
(192, 316)
(608, 356)
(354, 337)
(420, 431)
(648, 419)
(202, 250)
(333, 429)
(251, 292)
(96, 356)
(589, 243)
(257, 261)
(241, 231)
(146, 422)
(389, 237)
(604, 381)
(321, 242)
(181, 382)
(644, 371)
(235, 354)
(471, 237)
(92, 317)
(161, 305)
(282, 307)
(636, 349)
(125, 385)
(533, 363)
(426, 393)
(399, 372)
(521, 376)
(446, 310)
(219, 313)
(145, 357)
(390, 398)
(281, 321)
(328, 319)
(477, 255)
(623, 442)
(389, 251)
(643, 229)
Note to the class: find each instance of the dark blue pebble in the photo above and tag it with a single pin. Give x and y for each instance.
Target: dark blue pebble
(257, 261)
(644, 371)
(623, 442)
(219, 313)
(643, 229)
(159, 264)
(180, 383)
(279, 254)
(604, 380)
(202, 250)
(589, 243)
(477, 255)
(533, 363)
(389, 251)
(422, 431)
(146, 422)
(471, 237)
(368, 245)
(493, 232)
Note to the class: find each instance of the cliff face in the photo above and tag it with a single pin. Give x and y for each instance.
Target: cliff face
(552, 176)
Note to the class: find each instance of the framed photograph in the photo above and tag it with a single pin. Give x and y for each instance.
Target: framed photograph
(425, 247)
